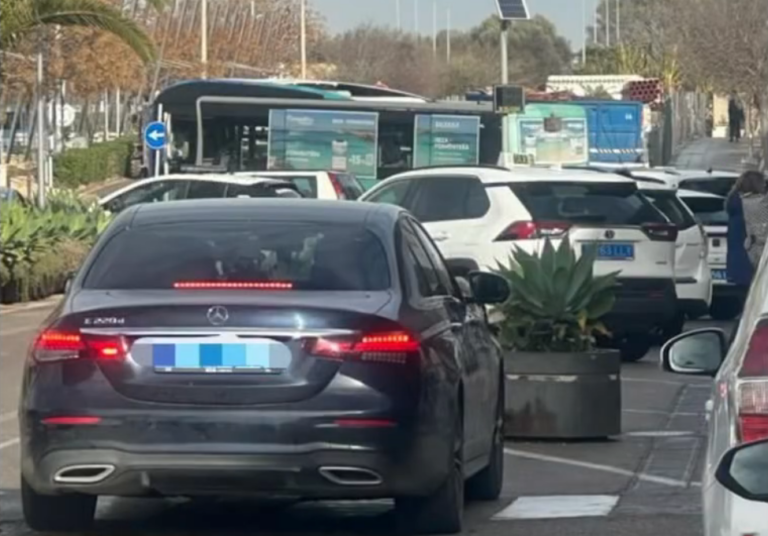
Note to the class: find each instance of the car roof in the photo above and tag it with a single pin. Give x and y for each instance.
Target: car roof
(282, 210)
(495, 175)
(682, 192)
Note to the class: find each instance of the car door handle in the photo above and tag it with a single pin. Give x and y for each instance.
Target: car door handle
(440, 237)
(456, 326)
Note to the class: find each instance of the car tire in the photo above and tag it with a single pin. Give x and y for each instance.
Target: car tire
(486, 485)
(442, 512)
(725, 309)
(634, 347)
(57, 513)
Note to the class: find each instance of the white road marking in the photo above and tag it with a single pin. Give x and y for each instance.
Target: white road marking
(8, 416)
(559, 506)
(659, 412)
(671, 482)
(695, 385)
(661, 433)
(9, 443)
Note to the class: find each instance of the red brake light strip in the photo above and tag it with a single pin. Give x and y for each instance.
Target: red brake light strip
(260, 285)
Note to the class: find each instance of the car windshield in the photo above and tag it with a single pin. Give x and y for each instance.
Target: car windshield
(309, 256)
(598, 202)
(710, 185)
(672, 207)
(708, 210)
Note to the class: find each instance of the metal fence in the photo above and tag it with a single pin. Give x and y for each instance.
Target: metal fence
(683, 118)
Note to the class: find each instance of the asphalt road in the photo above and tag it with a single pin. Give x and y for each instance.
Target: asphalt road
(645, 482)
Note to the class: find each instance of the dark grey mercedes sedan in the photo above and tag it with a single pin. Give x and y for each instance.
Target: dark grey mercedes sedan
(265, 348)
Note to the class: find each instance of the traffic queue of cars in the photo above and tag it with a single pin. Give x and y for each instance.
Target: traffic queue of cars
(324, 349)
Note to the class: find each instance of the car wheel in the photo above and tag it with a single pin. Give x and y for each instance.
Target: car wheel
(57, 513)
(634, 347)
(725, 309)
(443, 511)
(486, 485)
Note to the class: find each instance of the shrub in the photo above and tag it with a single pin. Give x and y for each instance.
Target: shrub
(556, 301)
(40, 248)
(96, 163)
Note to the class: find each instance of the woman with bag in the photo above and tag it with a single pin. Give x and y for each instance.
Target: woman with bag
(747, 207)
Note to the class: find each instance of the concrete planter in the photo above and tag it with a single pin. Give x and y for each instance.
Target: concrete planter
(562, 395)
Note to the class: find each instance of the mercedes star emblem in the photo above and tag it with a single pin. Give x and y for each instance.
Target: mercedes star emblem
(609, 234)
(218, 315)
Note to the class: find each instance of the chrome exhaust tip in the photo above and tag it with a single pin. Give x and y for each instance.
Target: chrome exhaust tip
(83, 474)
(351, 476)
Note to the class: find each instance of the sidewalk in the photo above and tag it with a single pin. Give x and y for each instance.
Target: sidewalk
(715, 153)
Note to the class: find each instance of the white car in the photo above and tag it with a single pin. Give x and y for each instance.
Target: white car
(693, 278)
(709, 209)
(205, 186)
(316, 184)
(479, 214)
(738, 407)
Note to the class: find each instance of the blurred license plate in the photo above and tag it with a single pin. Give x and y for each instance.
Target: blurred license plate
(719, 275)
(201, 356)
(616, 251)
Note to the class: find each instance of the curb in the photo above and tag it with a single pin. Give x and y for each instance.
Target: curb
(21, 307)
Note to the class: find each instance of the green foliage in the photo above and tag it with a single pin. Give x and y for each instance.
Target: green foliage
(556, 301)
(20, 18)
(40, 247)
(97, 163)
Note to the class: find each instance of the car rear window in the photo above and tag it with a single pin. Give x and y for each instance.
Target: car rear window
(581, 202)
(262, 190)
(311, 256)
(711, 185)
(672, 207)
(708, 210)
(307, 184)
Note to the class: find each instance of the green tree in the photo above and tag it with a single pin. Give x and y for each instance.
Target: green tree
(20, 18)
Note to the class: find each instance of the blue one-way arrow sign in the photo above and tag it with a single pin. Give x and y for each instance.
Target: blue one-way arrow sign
(155, 135)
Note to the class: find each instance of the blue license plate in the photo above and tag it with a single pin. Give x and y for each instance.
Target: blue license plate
(616, 252)
(719, 275)
(198, 355)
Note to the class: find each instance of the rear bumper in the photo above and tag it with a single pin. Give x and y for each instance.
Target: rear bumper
(728, 291)
(308, 475)
(641, 305)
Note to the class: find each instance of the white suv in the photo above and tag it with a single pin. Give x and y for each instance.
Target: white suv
(693, 279)
(709, 209)
(478, 215)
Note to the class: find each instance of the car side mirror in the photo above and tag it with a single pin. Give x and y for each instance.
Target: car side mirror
(743, 470)
(700, 352)
(488, 288)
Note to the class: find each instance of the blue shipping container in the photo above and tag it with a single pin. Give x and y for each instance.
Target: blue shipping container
(615, 130)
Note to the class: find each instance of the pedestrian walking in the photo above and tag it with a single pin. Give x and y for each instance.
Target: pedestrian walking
(735, 118)
(747, 208)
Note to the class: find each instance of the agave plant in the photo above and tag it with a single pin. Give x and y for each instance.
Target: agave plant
(556, 300)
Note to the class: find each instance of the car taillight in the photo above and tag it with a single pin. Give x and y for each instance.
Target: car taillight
(664, 232)
(392, 347)
(337, 185)
(753, 389)
(705, 250)
(63, 345)
(522, 230)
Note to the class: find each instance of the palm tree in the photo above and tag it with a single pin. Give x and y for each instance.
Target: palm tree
(19, 18)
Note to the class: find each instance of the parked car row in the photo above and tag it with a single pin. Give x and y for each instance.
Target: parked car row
(662, 228)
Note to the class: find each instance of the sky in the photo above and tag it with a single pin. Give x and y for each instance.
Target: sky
(344, 14)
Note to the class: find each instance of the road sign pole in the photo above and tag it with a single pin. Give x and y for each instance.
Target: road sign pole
(504, 52)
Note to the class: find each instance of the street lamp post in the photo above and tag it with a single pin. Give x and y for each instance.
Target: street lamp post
(434, 28)
(303, 39)
(398, 16)
(448, 36)
(607, 23)
(204, 36)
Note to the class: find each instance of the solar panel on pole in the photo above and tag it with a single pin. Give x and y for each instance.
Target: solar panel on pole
(512, 10)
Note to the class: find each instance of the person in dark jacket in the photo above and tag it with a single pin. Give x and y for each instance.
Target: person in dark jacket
(735, 118)
(739, 267)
